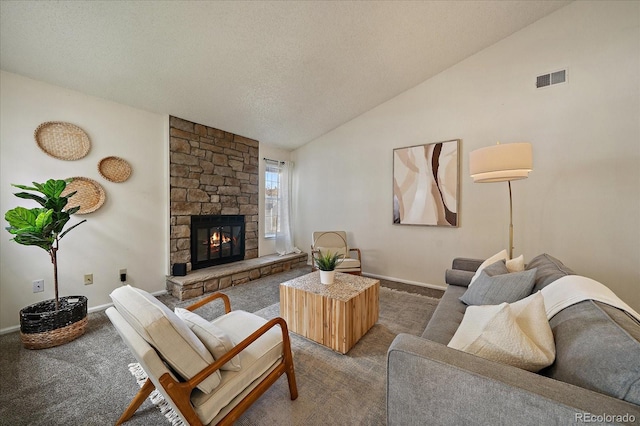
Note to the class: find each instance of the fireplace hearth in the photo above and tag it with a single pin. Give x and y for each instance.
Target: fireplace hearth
(216, 240)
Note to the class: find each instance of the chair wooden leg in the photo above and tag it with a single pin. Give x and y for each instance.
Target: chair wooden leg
(288, 364)
(137, 401)
(291, 378)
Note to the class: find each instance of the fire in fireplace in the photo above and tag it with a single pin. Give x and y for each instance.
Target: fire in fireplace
(216, 240)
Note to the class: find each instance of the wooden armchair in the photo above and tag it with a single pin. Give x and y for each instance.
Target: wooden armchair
(206, 394)
(336, 242)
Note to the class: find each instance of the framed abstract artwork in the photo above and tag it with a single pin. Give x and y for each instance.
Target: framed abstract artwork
(426, 184)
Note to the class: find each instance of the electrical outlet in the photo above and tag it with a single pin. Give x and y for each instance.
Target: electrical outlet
(123, 275)
(88, 279)
(38, 286)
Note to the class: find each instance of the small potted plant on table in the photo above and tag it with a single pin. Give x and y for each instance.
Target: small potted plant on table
(327, 264)
(62, 319)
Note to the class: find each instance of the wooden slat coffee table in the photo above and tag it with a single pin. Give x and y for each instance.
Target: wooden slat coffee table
(335, 315)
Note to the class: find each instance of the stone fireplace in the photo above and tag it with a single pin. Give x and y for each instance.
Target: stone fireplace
(214, 202)
(212, 173)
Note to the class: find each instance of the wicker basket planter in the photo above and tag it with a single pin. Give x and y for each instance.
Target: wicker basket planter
(41, 326)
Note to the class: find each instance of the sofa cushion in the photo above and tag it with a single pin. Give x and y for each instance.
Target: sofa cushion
(516, 264)
(167, 333)
(598, 348)
(502, 255)
(516, 334)
(447, 317)
(496, 268)
(214, 338)
(500, 288)
(549, 269)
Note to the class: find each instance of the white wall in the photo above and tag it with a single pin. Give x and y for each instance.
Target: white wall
(267, 245)
(581, 203)
(129, 231)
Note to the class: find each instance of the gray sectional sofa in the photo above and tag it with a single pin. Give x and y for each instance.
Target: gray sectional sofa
(594, 379)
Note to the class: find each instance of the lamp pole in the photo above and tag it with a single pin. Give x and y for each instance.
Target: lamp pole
(510, 222)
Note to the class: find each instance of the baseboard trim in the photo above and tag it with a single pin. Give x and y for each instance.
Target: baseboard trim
(10, 329)
(400, 280)
(90, 310)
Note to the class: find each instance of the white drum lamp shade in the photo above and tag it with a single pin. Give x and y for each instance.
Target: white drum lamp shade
(501, 162)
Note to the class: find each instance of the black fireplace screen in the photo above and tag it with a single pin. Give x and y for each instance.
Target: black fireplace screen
(216, 240)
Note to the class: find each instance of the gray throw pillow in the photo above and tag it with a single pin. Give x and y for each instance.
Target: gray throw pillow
(497, 268)
(493, 290)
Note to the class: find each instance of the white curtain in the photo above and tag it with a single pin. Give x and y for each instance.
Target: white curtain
(284, 234)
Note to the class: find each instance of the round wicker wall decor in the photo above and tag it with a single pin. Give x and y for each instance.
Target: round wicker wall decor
(114, 169)
(90, 195)
(64, 141)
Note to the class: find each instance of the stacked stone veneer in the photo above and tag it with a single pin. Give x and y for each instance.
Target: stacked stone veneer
(212, 172)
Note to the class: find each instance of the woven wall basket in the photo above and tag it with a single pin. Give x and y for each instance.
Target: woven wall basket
(64, 141)
(114, 169)
(41, 326)
(90, 195)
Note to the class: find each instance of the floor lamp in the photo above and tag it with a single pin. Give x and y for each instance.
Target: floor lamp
(499, 163)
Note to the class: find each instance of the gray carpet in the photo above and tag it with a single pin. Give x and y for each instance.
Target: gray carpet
(86, 382)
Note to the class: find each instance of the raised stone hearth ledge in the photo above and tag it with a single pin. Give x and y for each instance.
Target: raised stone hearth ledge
(207, 280)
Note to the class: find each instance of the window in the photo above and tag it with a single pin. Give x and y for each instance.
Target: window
(272, 187)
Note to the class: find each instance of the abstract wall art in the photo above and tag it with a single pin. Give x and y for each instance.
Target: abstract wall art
(426, 184)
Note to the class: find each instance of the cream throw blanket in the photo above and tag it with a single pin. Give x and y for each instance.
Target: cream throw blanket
(572, 289)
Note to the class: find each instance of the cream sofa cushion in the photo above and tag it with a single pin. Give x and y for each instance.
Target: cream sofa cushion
(167, 333)
(214, 338)
(516, 264)
(517, 334)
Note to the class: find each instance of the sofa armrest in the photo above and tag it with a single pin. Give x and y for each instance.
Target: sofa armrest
(462, 270)
(429, 382)
(458, 277)
(466, 264)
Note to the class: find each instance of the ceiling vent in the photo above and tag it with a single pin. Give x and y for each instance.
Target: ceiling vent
(551, 79)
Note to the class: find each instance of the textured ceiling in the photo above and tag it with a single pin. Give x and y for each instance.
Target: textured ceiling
(280, 72)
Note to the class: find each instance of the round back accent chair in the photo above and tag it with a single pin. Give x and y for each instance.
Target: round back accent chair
(336, 242)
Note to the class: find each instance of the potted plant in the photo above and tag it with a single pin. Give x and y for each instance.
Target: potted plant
(62, 319)
(327, 264)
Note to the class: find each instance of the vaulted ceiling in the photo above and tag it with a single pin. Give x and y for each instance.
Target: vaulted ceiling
(280, 72)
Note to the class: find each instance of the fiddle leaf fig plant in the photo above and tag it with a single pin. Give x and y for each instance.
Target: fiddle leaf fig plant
(43, 226)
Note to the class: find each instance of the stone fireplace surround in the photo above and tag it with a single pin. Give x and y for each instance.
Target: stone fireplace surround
(213, 172)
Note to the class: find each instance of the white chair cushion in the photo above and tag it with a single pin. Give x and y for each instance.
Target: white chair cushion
(167, 333)
(348, 263)
(214, 338)
(256, 359)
